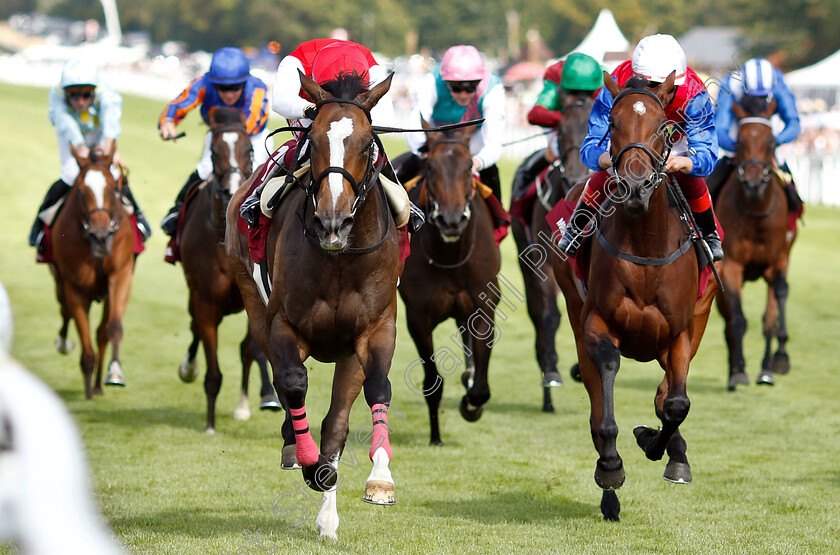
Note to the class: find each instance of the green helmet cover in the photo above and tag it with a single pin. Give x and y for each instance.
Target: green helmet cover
(581, 73)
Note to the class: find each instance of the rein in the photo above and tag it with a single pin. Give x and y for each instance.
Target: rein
(115, 220)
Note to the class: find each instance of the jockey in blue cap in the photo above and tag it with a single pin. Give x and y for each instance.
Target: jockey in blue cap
(228, 83)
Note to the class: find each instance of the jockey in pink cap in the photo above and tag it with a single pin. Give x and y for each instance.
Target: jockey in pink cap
(460, 89)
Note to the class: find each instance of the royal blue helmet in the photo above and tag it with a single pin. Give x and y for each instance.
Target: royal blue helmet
(229, 67)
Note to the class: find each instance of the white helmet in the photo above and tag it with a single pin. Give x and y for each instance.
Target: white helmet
(78, 73)
(656, 56)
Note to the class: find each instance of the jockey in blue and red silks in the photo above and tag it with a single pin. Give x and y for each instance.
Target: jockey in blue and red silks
(230, 84)
(322, 60)
(695, 145)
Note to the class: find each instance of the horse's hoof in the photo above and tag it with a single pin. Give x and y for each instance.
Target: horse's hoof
(467, 379)
(677, 473)
(210, 431)
(115, 375)
(436, 443)
(737, 378)
(781, 363)
(575, 373)
(379, 492)
(609, 479)
(548, 408)
(63, 345)
(289, 459)
(270, 402)
(552, 378)
(469, 412)
(188, 370)
(321, 476)
(765, 378)
(644, 436)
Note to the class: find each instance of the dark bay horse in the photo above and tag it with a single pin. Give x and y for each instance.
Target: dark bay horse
(333, 258)
(212, 287)
(93, 249)
(531, 240)
(451, 273)
(642, 309)
(752, 208)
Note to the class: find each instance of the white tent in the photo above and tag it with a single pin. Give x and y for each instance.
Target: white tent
(820, 80)
(603, 39)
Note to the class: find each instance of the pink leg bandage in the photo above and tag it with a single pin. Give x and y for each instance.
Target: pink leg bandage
(305, 448)
(379, 414)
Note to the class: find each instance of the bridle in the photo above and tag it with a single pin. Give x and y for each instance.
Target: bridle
(220, 178)
(432, 214)
(657, 160)
(766, 166)
(115, 220)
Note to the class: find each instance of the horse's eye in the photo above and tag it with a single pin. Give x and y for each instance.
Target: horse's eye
(612, 123)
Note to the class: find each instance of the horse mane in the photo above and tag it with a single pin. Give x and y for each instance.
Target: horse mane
(346, 86)
(753, 105)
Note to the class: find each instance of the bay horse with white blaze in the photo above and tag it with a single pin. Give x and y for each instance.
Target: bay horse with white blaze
(93, 249)
(451, 273)
(531, 239)
(752, 207)
(212, 287)
(642, 298)
(333, 256)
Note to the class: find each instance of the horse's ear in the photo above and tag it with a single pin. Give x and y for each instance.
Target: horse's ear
(465, 133)
(368, 99)
(770, 109)
(431, 136)
(315, 92)
(80, 160)
(738, 111)
(664, 90)
(611, 84)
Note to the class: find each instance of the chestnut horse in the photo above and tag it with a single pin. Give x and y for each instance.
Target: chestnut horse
(531, 240)
(213, 290)
(641, 300)
(333, 259)
(752, 208)
(93, 249)
(451, 273)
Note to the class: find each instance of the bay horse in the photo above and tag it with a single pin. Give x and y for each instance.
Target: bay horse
(752, 208)
(531, 239)
(333, 259)
(213, 293)
(642, 293)
(93, 249)
(451, 273)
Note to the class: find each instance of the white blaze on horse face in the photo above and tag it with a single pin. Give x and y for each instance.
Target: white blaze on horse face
(639, 108)
(96, 182)
(339, 130)
(235, 178)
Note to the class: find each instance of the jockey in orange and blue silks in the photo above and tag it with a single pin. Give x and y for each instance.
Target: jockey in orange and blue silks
(695, 147)
(458, 89)
(229, 84)
(757, 80)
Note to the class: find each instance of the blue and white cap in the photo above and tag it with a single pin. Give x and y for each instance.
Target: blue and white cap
(758, 76)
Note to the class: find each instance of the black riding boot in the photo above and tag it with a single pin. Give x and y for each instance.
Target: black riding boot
(795, 201)
(169, 223)
(142, 223)
(55, 193)
(490, 177)
(708, 229)
(527, 173)
(715, 180)
(573, 234)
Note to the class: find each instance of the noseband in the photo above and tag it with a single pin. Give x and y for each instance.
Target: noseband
(657, 160)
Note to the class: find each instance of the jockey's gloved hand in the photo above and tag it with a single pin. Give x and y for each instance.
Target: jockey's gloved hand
(416, 218)
(250, 208)
(311, 112)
